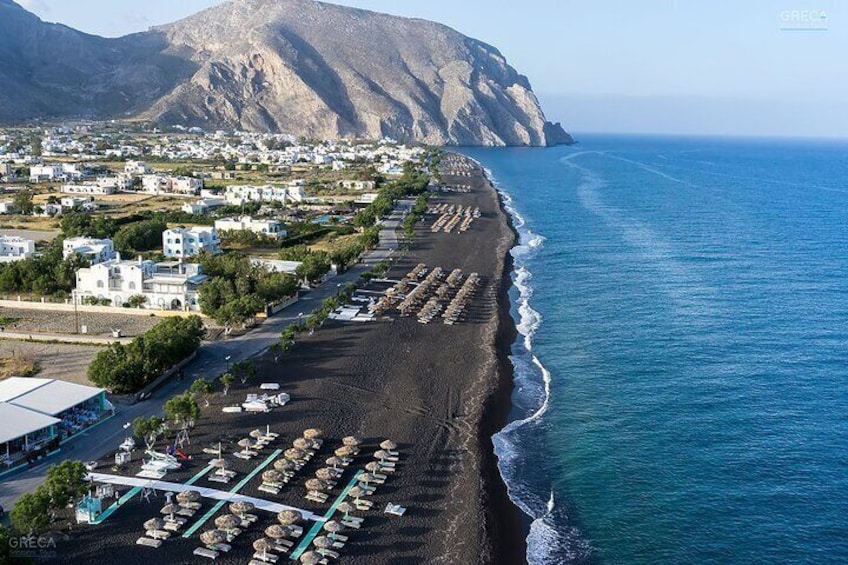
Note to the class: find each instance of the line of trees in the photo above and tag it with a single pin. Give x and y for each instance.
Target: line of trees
(47, 274)
(34, 511)
(124, 369)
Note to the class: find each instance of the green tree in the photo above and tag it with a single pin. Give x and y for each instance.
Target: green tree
(140, 236)
(227, 380)
(136, 300)
(65, 482)
(202, 389)
(148, 430)
(31, 513)
(182, 410)
(23, 201)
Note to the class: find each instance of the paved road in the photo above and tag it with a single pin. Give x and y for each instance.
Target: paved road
(211, 360)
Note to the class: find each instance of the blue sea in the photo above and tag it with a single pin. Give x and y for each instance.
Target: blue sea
(681, 373)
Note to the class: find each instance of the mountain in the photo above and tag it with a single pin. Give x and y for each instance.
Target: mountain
(295, 66)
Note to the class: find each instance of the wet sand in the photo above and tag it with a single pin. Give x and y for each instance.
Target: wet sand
(438, 391)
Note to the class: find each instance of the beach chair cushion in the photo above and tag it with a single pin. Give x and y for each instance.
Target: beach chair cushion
(205, 552)
(148, 542)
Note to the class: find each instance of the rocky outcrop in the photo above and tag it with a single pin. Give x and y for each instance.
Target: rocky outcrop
(296, 66)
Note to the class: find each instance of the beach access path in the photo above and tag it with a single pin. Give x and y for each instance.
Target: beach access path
(212, 359)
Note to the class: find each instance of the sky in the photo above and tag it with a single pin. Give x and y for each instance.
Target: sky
(713, 67)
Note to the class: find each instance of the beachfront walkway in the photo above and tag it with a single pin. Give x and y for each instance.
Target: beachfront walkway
(224, 496)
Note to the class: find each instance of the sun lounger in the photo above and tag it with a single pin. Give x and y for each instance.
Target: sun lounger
(316, 496)
(283, 545)
(296, 531)
(328, 553)
(148, 542)
(394, 509)
(249, 518)
(158, 534)
(221, 547)
(175, 520)
(191, 505)
(337, 537)
(369, 490)
(220, 479)
(205, 552)
(353, 525)
(269, 386)
(270, 489)
(231, 409)
(265, 557)
(244, 454)
(147, 474)
(211, 451)
(187, 512)
(173, 526)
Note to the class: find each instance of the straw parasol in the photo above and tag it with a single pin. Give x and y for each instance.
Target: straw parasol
(187, 496)
(382, 455)
(303, 443)
(324, 473)
(262, 546)
(373, 467)
(245, 443)
(345, 451)
(333, 527)
(367, 478)
(294, 454)
(276, 532)
(256, 434)
(154, 524)
(356, 493)
(272, 476)
(289, 517)
(313, 433)
(213, 537)
(322, 542)
(220, 463)
(388, 445)
(228, 522)
(316, 484)
(170, 509)
(352, 440)
(345, 507)
(283, 465)
(311, 558)
(335, 462)
(241, 507)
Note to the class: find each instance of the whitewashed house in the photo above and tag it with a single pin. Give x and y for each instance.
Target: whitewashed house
(14, 248)
(8, 207)
(165, 286)
(358, 184)
(269, 228)
(88, 188)
(95, 250)
(185, 242)
(137, 168)
(202, 206)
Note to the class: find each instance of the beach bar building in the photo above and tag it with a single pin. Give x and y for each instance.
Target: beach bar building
(35, 412)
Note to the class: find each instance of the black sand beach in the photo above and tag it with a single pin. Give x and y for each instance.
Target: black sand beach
(439, 391)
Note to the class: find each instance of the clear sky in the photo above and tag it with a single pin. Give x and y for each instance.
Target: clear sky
(735, 67)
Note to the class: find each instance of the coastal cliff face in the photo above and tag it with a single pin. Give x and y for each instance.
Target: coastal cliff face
(294, 66)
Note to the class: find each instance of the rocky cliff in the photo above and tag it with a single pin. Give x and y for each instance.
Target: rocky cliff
(296, 66)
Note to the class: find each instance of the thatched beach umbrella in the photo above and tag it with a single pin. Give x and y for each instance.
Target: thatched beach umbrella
(388, 445)
(262, 546)
(294, 454)
(316, 484)
(345, 507)
(311, 558)
(170, 510)
(324, 473)
(256, 434)
(272, 476)
(241, 507)
(244, 443)
(154, 524)
(367, 478)
(322, 542)
(219, 463)
(373, 467)
(228, 522)
(213, 537)
(382, 455)
(276, 532)
(283, 465)
(332, 527)
(335, 462)
(289, 517)
(356, 493)
(303, 443)
(188, 496)
(345, 451)
(313, 433)
(352, 440)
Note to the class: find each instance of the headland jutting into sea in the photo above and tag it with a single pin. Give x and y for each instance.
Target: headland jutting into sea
(439, 391)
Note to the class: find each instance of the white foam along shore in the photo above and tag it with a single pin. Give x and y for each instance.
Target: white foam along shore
(528, 371)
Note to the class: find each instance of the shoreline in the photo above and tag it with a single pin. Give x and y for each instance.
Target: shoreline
(511, 525)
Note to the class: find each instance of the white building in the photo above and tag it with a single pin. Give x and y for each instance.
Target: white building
(237, 195)
(137, 168)
(46, 173)
(358, 184)
(202, 206)
(163, 184)
(166, 286)
(88, 188)
(8, 207)
(14, 248)
(95, 250)
(270, 228)
(185, 242)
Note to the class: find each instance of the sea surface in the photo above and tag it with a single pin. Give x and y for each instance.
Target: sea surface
(682, 368)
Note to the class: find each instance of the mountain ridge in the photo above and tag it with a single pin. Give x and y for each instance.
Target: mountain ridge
(295, 66)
